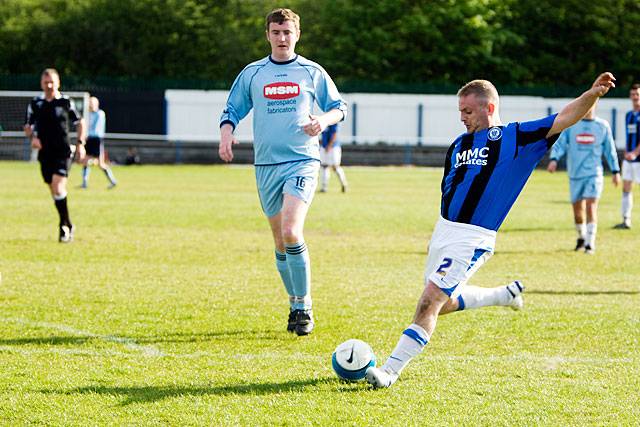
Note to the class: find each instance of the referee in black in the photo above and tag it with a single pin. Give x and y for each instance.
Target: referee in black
(47, 124)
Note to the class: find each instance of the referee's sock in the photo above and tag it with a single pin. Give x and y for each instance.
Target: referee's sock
(60, 201)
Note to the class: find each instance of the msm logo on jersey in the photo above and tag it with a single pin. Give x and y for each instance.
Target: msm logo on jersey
(473, 156)
(281, 90)
(585, 138)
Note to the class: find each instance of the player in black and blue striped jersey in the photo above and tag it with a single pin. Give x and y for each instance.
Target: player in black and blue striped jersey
(631, 162)
(485, 171)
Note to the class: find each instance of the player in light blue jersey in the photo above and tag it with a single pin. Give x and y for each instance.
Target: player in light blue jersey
(584, 144)
(631, 162)
(95, 144)
(485, 171)
(282, 89)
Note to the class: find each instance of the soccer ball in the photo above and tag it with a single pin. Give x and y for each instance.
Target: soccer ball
(351, 359)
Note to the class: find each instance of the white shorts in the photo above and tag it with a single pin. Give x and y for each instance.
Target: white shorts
(631, 171)
(332, 157)
(456, 252)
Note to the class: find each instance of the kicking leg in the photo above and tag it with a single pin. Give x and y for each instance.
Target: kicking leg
(413, 339)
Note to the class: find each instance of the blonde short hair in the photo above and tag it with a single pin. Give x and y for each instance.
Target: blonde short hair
(482, 89)
(50, 72)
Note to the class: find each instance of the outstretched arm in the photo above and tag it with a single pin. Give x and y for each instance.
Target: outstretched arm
(576, 109)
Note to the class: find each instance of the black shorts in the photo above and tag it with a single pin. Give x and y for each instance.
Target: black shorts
(94, 146)
(50, 166)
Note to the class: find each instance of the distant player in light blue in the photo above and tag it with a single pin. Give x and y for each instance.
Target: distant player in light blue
(95, 144)
(281, 89)
(584, 144)
(484, 172)
(331, 157)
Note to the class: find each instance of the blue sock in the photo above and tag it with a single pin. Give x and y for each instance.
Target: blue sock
(300, 268)
(85, 175)
(285, 275)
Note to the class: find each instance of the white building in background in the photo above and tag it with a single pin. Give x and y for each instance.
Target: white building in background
(193, 115)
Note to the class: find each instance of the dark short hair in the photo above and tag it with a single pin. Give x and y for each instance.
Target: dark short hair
(635, 86)
(281, 15)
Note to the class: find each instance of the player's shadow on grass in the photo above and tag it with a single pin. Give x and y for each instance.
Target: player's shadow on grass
(150, 394)
(551, 292)
(54, 340)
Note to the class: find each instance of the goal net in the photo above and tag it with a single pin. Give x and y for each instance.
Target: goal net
(13, 109)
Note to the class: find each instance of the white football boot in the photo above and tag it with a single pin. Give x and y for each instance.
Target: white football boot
(380, 377)
(516, 288)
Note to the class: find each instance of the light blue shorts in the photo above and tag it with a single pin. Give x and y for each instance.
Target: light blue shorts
(298, 179)
(586, 188)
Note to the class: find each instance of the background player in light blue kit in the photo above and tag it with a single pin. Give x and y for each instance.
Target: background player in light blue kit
(281, 90)
(631, 161)
(95, 143)
(484, 172)
(584, 144)
(331, 157)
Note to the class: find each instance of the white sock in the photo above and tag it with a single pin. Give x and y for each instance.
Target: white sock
(581, 228)
(476, 296)
(324, 182)
(341, 176)
(410, 344)
(592, 229)
(627, 205)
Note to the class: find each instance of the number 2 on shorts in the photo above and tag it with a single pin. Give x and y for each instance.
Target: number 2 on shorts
(446, 263)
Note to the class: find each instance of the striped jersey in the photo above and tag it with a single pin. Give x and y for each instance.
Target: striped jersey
(632, 120)
(485, 171)
(328, 133)
(97, 124)
(584, 144)
(282, 95)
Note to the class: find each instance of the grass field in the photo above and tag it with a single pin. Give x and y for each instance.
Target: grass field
(167, 308)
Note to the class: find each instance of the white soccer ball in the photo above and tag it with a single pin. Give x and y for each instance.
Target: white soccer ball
(352, 358)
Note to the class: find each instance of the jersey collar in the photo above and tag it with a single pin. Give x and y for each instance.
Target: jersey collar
(283, 62)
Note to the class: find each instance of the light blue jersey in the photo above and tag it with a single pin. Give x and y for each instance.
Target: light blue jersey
(584, 144)
(97, 124)
(282, 95)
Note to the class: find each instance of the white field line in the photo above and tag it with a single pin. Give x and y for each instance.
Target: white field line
(146, 350)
